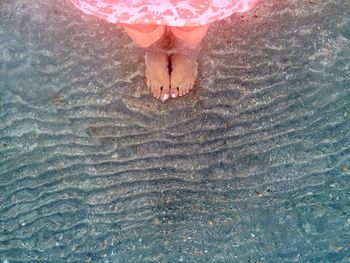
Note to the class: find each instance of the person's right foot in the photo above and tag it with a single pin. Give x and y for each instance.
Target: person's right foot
(157, 74)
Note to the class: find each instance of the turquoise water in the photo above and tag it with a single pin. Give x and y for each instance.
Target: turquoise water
(253, 166)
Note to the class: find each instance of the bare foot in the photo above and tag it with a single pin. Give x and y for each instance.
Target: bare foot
(157, 74)
(183, 75)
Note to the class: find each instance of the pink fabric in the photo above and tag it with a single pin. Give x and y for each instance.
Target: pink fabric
(167, 12)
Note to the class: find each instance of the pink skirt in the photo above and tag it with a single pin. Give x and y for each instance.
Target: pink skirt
(166, 12)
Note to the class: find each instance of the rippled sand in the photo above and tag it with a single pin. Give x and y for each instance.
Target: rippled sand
(251, 167)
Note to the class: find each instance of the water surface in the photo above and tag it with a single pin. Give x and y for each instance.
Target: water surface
(253, 166)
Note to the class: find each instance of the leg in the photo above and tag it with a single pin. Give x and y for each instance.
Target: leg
(184, 62)
(192, 36)
(157, 61)
(145, 35)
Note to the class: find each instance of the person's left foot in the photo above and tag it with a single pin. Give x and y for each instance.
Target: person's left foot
(183, 75)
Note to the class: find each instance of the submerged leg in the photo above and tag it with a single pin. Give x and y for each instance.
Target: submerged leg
(184, 60)
(192, 36)
(149, 37)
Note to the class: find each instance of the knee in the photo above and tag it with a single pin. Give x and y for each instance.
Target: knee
(190, 35)
(186, 28)
(145, 35)
(142, 28)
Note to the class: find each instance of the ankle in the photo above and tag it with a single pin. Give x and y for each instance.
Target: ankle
(181, 47)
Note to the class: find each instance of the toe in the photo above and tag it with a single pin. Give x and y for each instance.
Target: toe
(157, 91)
(154, 91)
(182, 90)
(164, 97)
(165, 94)
(174, 91)
(187, 90)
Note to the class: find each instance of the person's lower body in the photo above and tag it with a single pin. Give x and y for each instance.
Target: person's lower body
(163, 45)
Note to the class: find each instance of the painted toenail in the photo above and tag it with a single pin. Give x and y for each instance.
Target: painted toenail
(165, 97)
(173, 95)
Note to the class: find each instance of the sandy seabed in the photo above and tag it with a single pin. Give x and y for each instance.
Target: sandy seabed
(253, 166)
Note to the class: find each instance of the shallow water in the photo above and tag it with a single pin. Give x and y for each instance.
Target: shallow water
(253, 166)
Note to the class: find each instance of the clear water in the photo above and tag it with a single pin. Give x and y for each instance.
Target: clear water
(254, 166)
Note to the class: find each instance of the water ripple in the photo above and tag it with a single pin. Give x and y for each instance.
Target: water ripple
(253, 166)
